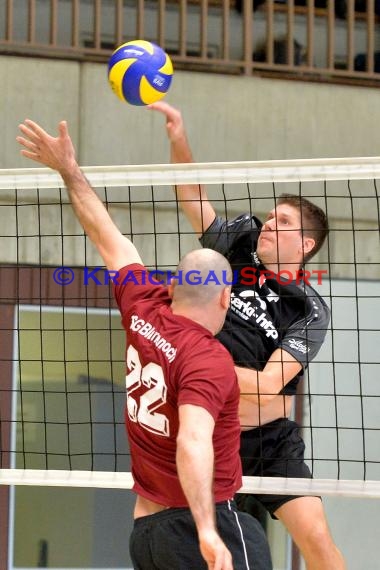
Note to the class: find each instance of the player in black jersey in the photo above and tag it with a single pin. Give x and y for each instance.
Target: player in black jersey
(275, 326)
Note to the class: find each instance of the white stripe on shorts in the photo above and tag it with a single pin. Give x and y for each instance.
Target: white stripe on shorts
(241, 533)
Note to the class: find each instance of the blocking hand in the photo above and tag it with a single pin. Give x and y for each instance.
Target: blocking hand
(57, 153)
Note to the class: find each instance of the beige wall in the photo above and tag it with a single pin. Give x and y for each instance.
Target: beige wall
(228, 117)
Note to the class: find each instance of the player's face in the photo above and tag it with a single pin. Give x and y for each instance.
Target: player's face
(280, 239)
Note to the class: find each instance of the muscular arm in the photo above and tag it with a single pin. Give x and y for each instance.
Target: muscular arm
(192, 197)
(261, 387)
(59, 154)
(195, 466)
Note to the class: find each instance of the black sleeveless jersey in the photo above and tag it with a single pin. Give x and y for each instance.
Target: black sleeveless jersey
(265, 313)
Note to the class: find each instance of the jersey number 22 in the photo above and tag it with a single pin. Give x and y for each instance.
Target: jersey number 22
(152, 377)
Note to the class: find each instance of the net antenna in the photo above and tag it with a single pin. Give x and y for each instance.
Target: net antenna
(54, 331)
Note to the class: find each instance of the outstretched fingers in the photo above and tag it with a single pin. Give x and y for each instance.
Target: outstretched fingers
(30, 141)
(164, 108)
(34, 132)
(28, 144)
(55, 152)
(171, 113)
(28, 132)
(174, 123)
(33, 128)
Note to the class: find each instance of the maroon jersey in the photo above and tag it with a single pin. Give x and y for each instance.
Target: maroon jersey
(171, 360)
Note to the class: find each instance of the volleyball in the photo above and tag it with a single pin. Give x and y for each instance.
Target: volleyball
(140, 72)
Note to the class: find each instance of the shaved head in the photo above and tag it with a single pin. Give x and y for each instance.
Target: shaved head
(213, 273)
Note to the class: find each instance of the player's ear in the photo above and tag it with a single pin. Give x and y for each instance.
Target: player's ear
(308, 243)
(225, 297)
(171, 289)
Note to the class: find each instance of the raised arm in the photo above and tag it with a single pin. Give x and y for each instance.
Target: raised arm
(58, 153)
(195, 466)
(192, 197)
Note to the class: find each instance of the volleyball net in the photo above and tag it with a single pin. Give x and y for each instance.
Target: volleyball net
(62, 364)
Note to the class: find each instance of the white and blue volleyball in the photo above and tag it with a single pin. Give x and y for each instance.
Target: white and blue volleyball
(140, 72)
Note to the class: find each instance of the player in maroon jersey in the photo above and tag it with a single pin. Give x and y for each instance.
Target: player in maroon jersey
(182, 392)
(272, 331)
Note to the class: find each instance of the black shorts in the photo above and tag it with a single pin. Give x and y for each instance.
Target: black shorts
(168, 540)
(275, 449)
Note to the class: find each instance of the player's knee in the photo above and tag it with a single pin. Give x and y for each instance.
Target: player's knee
(318, 538)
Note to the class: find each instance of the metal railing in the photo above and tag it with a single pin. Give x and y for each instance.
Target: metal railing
(233, 36)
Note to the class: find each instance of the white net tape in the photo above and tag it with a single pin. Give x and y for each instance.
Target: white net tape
(363, 168)
(257, 485)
